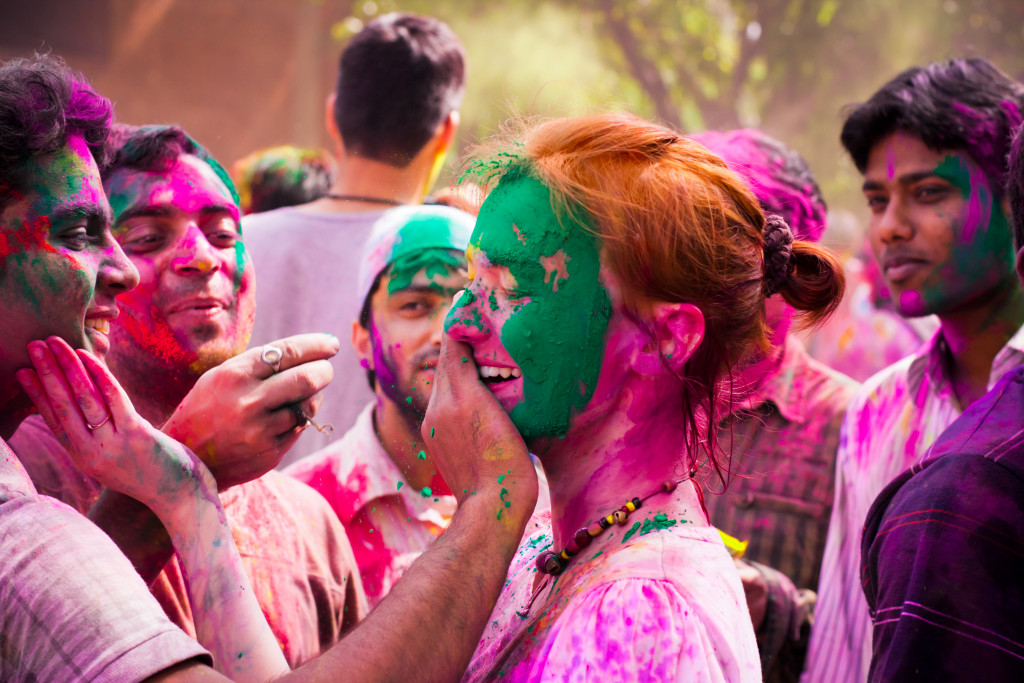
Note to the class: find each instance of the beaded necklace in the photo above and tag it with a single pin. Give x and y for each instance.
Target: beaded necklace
(552, 563)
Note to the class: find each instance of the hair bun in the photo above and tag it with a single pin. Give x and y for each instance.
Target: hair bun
(778, 253)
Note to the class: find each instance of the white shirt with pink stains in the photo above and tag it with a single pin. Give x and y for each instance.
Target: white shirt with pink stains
(890, 425)
(665, 605)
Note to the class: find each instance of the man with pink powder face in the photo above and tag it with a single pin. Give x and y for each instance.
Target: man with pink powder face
(176, 350)
(932, 146)
(784, 437)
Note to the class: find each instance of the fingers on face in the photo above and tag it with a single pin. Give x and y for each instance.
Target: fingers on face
(74, 398)
(30, 382)
(295, 351)
(113, 394)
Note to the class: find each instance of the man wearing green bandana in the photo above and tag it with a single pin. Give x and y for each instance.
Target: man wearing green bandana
(378, 477)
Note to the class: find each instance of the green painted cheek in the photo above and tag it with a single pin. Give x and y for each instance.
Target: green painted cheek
(557, 338)
(240, 263)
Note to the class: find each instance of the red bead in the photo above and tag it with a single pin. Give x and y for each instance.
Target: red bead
(571, 548)
(669, 486)
(582, 538)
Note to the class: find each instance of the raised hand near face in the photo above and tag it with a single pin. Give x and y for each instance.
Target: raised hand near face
(88, 411)
(476, 447)
(243, 415)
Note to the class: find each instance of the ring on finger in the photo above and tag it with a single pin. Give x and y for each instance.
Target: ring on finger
(94, 427)
(272, 356)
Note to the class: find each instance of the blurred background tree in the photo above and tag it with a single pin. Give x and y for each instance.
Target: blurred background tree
(243, 74)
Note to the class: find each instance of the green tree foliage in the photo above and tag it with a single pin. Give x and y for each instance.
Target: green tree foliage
(786, 66)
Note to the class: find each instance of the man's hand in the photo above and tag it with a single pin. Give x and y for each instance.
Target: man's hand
(470, 437)
(242, 416)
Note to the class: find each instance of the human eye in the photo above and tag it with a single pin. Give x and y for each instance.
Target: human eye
(76, 237)
(877, 202)
(140, 239)
(222, 232)
(931, 193)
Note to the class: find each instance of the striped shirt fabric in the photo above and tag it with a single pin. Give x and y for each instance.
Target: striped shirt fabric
(891, 423)
(944, 552)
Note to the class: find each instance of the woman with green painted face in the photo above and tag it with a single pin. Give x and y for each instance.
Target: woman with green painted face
(619, 274)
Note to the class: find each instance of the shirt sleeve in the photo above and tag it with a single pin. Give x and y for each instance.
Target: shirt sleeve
(73, 606)
(840, 644)
(635, 630)
(946, 567)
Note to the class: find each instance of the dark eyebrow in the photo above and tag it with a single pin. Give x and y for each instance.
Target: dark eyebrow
(168, 210)
(90, 214)
(908, 179)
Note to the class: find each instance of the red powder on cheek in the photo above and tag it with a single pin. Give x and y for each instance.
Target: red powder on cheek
(31, 237)
(159, 339)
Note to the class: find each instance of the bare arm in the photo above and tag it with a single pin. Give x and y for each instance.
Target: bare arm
(81, 401)
(240, 419)
(428, 626)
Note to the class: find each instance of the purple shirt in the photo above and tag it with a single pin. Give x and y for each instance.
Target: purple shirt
(944, 551)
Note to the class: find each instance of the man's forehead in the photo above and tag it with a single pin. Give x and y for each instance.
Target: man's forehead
(190, 186)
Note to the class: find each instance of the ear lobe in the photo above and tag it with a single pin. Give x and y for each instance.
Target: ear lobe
(678, 329)
(361, 343)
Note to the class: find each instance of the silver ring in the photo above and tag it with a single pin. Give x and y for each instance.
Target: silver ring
(272, 356)
(93, 428)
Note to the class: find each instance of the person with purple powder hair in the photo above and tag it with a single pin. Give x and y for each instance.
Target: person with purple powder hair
(784, 437)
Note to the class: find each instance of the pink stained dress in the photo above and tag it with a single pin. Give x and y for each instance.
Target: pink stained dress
(656, 600)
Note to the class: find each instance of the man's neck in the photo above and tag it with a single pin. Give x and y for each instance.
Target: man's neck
(975, 334)
(358, 177)
(399, 436)
(154, 398)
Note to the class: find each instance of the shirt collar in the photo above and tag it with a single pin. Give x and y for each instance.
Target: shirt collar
(930, 361)
(380, 477)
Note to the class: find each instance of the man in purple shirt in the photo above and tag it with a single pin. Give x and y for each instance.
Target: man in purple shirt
(944, 543)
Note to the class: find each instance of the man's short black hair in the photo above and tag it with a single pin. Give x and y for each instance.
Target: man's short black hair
(42, 102)
(963, 104)
(155, 149)
(397, 81)
(1015, 188)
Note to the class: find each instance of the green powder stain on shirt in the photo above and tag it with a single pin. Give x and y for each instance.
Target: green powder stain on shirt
(632, 530)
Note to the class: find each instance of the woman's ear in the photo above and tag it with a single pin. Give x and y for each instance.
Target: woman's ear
(677, 329)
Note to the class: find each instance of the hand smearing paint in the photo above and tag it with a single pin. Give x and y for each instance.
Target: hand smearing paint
(241, 416)
(472, 440)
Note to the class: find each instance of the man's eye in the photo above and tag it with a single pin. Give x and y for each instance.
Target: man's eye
(413, 307)
(877, 203)
(931, 193)
(223, 239)
(141, 243)
(76, 238)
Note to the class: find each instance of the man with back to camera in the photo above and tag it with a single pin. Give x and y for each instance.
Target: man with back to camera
(931, 145)
(393, 118)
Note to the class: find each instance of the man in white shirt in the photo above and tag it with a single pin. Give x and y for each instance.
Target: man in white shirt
(932, 147)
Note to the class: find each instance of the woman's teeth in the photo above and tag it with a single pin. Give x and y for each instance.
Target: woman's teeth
(492, 372)
(100, 325)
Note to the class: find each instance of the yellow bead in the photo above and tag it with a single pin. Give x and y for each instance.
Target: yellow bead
(610, 519)
(630, 506)
(564, 556)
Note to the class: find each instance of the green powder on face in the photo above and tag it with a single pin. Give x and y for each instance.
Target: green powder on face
(431, 432)
(399, 486)
(422, 455)
(493, 301)
(426, 492)
(556, 333)
(408, 399)
(501, 478)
